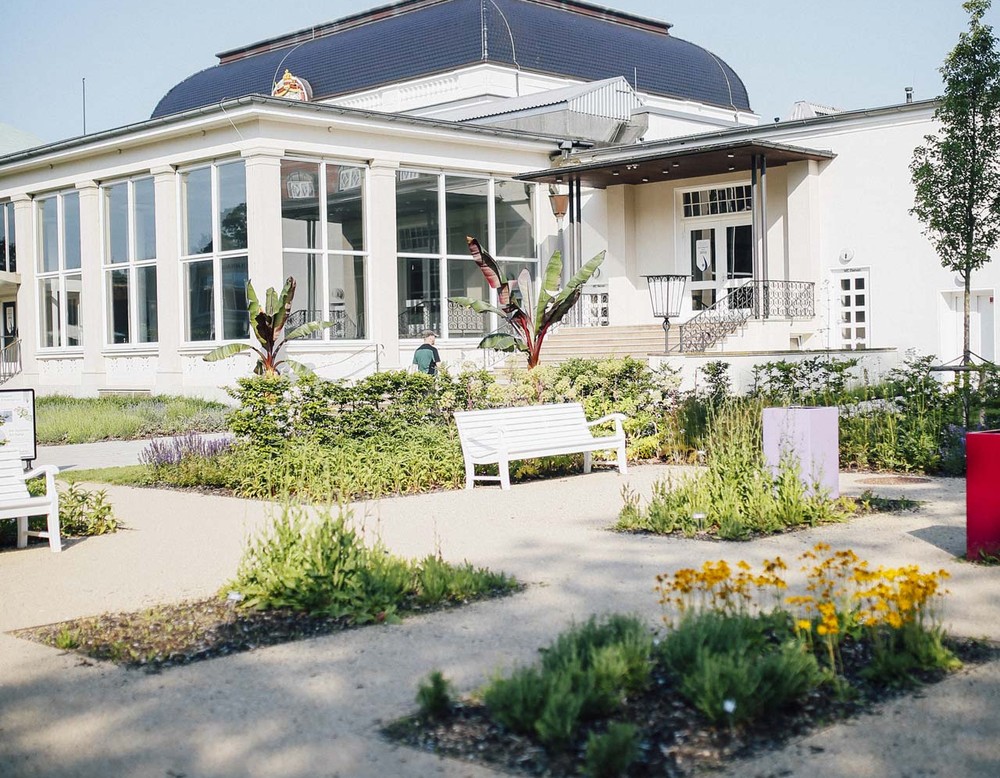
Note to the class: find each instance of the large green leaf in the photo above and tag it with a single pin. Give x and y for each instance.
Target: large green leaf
(284, 304)
(308, 329)
(298, 368)
(549, 285)
(479, 306)
(230, 349)
(501, 341)
(527, 292)
(561, 306)
(253, 308)
(270, 301)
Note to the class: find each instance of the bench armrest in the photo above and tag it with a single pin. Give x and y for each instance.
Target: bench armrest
(618, 418)
(50, 472)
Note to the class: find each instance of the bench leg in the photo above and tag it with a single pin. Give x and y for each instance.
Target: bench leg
(55, 542)
(587, 455)
(622, 460)
(22, 531)
(470, 474)
(503, 467)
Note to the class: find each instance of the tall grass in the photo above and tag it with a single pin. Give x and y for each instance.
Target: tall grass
(736, 496)
(61, 419)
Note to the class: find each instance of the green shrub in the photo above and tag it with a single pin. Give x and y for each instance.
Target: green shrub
(319, 565)
(610, 754)
(434, 696)
(735, 667)
(586, 672)
(737, 495)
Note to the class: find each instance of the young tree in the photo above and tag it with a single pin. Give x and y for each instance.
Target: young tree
(956, 173)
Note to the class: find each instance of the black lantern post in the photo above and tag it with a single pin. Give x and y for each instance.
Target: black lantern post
(666, 294)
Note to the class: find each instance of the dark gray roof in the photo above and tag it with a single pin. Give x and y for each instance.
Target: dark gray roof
(417, 38)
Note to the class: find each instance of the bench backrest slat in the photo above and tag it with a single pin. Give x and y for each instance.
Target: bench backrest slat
(553, 422)
(12, 486)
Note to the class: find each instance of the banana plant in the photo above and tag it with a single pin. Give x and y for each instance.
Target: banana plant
(530, 315)
(268, 325)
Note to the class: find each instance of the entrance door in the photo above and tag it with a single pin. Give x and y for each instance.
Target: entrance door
(981, 326)
(721, 260)
(9, 323)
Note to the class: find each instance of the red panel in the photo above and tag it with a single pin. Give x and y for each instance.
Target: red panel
(982, 495)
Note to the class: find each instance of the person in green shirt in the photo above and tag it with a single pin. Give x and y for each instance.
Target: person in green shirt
(426, 357)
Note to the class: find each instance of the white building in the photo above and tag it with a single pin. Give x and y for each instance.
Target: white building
(124, 254)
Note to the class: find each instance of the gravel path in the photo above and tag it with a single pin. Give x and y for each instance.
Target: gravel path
(313, 708)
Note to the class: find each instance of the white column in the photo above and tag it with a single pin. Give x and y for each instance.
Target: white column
(169, 283)
(27, 294)
(264, 218)
(92, 299)
(802, 260)
(382, 264)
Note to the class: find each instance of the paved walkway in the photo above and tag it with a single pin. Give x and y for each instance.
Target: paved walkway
(313, 708)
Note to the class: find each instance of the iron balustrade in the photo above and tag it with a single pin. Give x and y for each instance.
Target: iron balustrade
(344, 327)
(10, 360)
(761, 300)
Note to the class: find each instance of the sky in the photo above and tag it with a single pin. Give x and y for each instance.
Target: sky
(846, 54)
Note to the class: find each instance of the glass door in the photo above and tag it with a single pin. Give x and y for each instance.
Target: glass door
(704, 278)
(710, 279)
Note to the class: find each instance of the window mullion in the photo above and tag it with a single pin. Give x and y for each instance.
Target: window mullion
(443, 256)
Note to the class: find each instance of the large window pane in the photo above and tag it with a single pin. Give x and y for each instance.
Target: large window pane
(3, 237)
(416, 213)
(74, 315)
(299, 204)
(347, 297)
(11, 239)
(515, 222)
(345, 188)
(146, 304)
(145, 219)
(71, 231)
(307, 304)
(467, 212)
(739, 251)
(197, 188)
(233, 206)
(201, 309)
(118, 305)
(465, 279)
(419, 289)
(116, 223)
(49, 303)
(48, 234)
(235, 320)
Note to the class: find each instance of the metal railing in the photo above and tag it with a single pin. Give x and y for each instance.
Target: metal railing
(10, 360)
(344, 327)
(754, 299)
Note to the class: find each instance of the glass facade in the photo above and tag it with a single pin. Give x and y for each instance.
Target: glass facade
(214, 278)
(441, 209)
(130, 261)
(60, 282)
(323, 237)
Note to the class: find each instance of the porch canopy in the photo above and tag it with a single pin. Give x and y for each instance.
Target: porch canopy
(672, 161)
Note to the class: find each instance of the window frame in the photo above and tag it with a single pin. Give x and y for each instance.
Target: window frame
(325, 254)
(442, 257)
(131, 264)
(61, 274)
(216, 256)
(7, 263)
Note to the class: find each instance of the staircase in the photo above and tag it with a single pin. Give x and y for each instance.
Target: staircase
(602, 342)
(10, 360)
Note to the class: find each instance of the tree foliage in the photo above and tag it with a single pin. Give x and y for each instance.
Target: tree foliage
(956, 172)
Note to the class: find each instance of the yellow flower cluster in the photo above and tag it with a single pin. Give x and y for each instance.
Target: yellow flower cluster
(843, 591)
(717, 586)
(895, 596)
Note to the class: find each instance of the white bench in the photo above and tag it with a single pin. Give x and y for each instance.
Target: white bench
(500, 435)
(17, 504)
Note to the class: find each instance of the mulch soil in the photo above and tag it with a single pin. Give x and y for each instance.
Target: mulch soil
(675, 739)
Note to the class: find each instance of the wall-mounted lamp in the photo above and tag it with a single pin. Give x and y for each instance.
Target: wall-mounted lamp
(666, 295)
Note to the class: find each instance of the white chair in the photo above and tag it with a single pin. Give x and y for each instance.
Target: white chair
(17, 504)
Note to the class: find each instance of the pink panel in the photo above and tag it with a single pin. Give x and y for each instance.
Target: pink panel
(810, 435)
